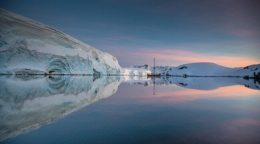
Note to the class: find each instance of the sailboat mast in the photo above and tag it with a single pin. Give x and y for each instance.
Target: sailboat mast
(154, 65)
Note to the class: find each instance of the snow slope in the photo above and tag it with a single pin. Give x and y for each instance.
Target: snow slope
(206, 69)
(30, 47)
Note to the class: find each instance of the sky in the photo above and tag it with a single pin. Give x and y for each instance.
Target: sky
(174, 32)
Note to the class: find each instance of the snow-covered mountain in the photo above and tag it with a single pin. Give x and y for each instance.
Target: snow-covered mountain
(206, 69)
(30, 47)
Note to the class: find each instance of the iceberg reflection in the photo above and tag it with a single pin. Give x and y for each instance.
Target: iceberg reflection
(199, 83)
(27, 103)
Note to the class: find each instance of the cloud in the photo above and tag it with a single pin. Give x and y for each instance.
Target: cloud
(177, 57)
(237, 18)
(243, 32)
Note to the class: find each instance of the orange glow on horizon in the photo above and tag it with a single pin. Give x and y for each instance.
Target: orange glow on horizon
(184, 57)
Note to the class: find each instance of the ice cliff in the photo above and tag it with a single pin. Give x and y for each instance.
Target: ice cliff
(30, 47)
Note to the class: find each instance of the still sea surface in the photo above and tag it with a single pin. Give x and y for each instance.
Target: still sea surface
(92, 110)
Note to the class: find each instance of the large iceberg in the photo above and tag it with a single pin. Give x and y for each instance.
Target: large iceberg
(30, 47)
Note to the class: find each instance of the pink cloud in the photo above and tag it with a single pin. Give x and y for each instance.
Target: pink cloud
(243, 32)
(186, 56)
(174, 56)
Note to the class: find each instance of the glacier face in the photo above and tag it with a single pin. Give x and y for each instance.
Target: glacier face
(29, 47)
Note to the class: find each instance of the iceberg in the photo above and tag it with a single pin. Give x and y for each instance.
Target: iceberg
(129, 71)
(29, 47)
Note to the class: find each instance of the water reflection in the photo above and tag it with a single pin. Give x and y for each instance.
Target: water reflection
(200, 83)
(28, 103)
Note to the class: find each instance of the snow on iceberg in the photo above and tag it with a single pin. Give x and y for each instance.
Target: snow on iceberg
(30, 47)
(129, 71)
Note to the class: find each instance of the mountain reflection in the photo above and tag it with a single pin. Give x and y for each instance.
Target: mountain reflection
(199, 83)
(27, 103)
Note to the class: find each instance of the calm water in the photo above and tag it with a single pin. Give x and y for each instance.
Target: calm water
(128, 110)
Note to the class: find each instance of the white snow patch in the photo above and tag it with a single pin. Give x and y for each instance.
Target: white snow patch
(129, 71)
